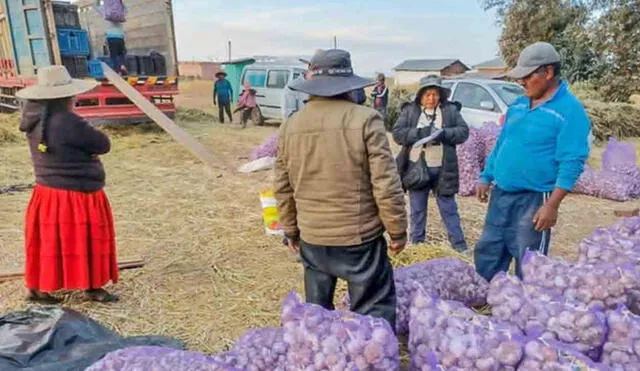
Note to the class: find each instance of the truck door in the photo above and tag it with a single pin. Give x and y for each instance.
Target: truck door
(28, 34)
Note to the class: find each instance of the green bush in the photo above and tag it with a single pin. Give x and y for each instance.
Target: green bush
(397, 98)
(620, 120)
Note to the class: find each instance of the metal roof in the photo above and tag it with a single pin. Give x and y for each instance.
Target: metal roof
(426, 64)
(494, 63)
(239, 61)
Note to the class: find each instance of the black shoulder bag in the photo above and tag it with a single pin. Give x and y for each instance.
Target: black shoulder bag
(414, 174)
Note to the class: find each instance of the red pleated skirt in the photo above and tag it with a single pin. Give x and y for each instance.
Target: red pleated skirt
(69, 240)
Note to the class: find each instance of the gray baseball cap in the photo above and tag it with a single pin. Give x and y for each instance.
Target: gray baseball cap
(533, 57)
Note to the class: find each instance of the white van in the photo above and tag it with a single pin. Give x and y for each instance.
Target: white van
(269, 81)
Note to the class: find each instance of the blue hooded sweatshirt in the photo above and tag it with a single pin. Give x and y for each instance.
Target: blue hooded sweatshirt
(542, 148)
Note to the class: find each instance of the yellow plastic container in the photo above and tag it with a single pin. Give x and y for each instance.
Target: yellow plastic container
(270, 213)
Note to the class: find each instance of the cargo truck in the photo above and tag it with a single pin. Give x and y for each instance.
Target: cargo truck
(38, 33)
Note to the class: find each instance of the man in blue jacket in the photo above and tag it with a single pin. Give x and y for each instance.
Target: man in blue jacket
(223, 93)
(538, 158)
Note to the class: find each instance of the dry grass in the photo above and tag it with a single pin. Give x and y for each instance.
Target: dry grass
(9, 132)
(211, 271)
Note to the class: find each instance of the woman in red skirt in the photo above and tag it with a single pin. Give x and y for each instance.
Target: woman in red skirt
(69, 233)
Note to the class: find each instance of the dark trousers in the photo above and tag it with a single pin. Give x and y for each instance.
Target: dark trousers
(222, 108)
(509, 232)
(419, 200)
(368, 273)
(117, 52)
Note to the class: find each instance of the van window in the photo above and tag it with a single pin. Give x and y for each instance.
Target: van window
(255, 78)
(278, 79)
(472, 96)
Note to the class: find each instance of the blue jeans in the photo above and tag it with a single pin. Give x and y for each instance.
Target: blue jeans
(509, 232)
(419, 200)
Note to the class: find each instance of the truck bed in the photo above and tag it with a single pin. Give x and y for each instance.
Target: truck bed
(28, 41)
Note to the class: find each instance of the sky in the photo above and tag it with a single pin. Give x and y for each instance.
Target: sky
(379, 34)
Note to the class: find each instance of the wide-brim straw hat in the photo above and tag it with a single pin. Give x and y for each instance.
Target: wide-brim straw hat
(220, 73)
(54, 82)
(331, 74)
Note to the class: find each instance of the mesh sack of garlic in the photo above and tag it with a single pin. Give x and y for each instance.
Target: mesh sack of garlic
(460, 338)
(600, 285)
(540, 314)
(448, 278)
(320, 339)
(549, 355)
(621, 351)
(259, 349)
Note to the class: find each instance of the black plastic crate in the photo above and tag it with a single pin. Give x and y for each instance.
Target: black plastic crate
(145, 65)
(131, 62)
(159, 64)
(66, 15)
(77, 66)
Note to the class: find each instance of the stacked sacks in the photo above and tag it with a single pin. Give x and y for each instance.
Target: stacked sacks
(460, 338)
(548, 317)
(448, 278)
(256, 350)
(319, 339)
(489, 133)
(621, 351)
(619, 245)
(543, 355)
(473, 154)
(608, 245)
(595, 285)
(605, 184)
(470, 163)
(158, 359)
(619, 178)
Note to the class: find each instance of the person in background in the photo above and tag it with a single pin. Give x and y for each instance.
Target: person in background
(222, 96)
(248, 107)
(114, 33)
(338, 190)
(380, 96)
(69, 230)
(429, 112)
(292, 101)
(115, 42)
(536, 161)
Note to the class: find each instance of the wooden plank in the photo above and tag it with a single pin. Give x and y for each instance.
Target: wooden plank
(123, 265)
(627, 213)
(53, 33)
(161, 119)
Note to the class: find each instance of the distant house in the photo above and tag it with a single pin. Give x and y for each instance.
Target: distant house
(412, 70)
(199, 70)
(493, 67)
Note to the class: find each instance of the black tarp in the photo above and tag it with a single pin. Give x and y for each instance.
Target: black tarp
(55, 338)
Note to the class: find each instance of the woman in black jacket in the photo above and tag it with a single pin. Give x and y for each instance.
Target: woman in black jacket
(430, 112)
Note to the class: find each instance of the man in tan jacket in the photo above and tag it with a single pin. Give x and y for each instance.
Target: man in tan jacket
(338, 190)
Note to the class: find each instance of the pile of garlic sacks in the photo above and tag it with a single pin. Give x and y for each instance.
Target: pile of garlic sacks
(448, 278)
(561, 316)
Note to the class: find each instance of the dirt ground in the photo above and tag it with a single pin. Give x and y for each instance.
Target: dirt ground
(211, 272)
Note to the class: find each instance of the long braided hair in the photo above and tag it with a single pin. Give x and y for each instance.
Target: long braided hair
(47, 108)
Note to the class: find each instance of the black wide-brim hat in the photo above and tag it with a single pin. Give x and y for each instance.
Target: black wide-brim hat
(330, 74)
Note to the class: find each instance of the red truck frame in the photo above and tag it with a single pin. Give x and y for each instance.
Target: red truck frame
(103, 105)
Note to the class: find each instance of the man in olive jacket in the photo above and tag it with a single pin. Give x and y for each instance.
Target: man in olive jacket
(338, 190)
